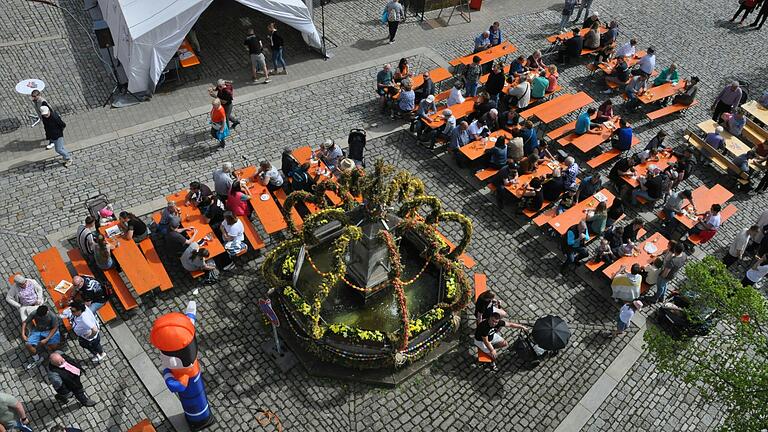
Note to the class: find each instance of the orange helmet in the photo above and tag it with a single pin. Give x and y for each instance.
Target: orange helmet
(174, 335)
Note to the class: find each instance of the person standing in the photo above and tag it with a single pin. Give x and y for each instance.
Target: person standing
(256, 51)
(568, 8)
(395, 14)
(739, 245)
(625, 316)
(65, 373)
(472, 77)
(54, 132)
(12, 413)
(276, 44)
(746, 6)
(761, 16)
(43, 333)
(39, 101)
(674, 260)
(585, 6)
(219, 129)
(86, 327)
(756, 272)
(226, 94)
(495, 35)
(26, 295)
(729, 98)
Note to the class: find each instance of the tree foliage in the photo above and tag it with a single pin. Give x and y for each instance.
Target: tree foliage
(730, 365)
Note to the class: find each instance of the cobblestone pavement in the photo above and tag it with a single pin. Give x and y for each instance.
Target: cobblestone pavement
(519, 265)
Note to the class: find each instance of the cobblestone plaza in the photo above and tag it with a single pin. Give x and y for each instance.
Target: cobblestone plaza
(138, 155)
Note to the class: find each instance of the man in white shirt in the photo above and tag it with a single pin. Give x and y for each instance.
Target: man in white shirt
(739, 245)
(269, 176)
(233, 233)
(756, 272)
(331, 153)
(522, 92)
(455, 97)
(86, 327)
(709, 221)
(477, 129)
(626, 50)
(647, 63)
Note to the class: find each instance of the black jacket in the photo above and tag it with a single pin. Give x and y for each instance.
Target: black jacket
(69, 380)
(54, 126)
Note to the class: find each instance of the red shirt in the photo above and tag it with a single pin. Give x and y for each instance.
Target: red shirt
(236, 204)
(218, 115)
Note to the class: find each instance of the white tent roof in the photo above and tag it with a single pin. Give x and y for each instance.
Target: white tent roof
(147, 33)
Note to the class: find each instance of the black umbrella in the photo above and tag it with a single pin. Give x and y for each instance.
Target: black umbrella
(551, 333)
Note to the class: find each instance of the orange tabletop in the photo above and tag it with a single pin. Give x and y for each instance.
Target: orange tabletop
(543, 168)
(643, 258)
(304, 155)
(143, 426)
(703, 198)
(476, 149)
(134, 264)
(327, 175)
(567, 35)
(187, 56)
(548, 104)
(631, 61)
(573, 215)
(267, 211)
(664, 159)
(555, 111)
(437, 75)
(491, 54)
(588, 141)
(660, 92)
(52, 271)
(459, 111)
(192, 218)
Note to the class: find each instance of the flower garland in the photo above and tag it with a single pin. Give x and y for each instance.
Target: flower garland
(396, 273)
(402, 187)
(407, 209)
(314, 221)
(466, 227)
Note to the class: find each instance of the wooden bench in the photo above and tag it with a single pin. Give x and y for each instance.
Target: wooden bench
(609, 155)
(106, 312)
(148, 249)
(717, 158)
(671, 109)
(725, 214)
(481, 286)
(120, 289)
(251, 235)
(531, 213)
(545, 217)
(281, 197)
(594, 266)
(547, 95)
(465, 259)
(485, 174)
(143, 426)
(754, 133)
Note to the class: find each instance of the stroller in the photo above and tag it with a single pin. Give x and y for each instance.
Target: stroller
(679, 318)
(356, 141)
(527, 350)
(100, 209)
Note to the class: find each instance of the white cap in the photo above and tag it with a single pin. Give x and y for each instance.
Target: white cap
(430, 98)
(44, 110)
(19, 279)
(328, 143)
(221, 82)
(595, 13)
(719, 129)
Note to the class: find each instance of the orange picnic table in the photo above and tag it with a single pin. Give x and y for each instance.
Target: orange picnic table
(631, 61)
(459, 111)
(591, 139)
(660, 92)
(643, 257)
(491, 54)
(192, 218)
(569, 34)
(664, 159)
(52, 271)
(544, 167)
(143, 426)
(554, 109)
(573, 215)
(703, 199)
(438, 75)
(267, 211)
(304, 155)
(134, 264)
(476, 149)
(187, 56)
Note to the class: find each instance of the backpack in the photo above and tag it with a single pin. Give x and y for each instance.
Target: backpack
(300, 180)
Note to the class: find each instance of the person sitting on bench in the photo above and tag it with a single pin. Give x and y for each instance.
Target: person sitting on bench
(622, 139)
(708, 223)
(636, 88)
(584, 122)
(620, 73)
(688, 93)
(604, 112)
(486, 305)
(488, 340)
(571, 49)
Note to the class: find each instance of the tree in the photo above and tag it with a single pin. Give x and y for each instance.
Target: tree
(730, 365)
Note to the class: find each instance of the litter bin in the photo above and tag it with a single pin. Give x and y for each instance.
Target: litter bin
(475, 4)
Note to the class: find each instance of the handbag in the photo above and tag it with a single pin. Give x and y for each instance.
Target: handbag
(222, 133)
(384, 16)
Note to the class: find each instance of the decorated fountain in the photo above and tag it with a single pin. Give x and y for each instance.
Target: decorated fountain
(370, 284)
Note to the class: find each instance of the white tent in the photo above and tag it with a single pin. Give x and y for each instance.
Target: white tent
(147, 33)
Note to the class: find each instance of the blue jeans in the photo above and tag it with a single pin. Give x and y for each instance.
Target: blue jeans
(564, 21)
(58, 145)
(277, 58)
(22, 427)
(93, 346)
(94, 307)
(471, 88)
(661, 289)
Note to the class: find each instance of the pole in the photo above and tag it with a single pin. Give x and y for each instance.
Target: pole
(277, 340)
(322, 17)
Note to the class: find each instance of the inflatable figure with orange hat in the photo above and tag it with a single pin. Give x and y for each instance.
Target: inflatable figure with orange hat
(174, 335)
